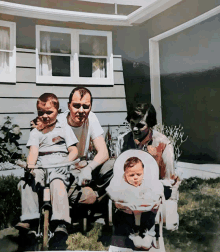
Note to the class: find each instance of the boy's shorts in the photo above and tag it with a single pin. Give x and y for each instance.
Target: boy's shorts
(50, 174)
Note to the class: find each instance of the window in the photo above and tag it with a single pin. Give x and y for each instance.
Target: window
(7, 52)
(70, 56)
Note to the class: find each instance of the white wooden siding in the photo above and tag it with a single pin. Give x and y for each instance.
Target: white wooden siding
(25, 59)
(19, 100)
(32, 90)
(11, 105)
(26, 74)
(23, 120)
(118, 78)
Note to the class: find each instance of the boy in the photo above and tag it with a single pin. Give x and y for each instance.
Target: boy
(136, 193)
(54, 143)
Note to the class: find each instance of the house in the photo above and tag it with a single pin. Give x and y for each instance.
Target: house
(124, 51)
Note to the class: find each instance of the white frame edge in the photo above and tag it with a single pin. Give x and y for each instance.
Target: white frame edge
(10, 78)
(137, 17)
(75, 44)
(155, 60)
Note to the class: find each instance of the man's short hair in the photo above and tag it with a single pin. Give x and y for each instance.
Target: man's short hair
(82, 90)
(132, 161)
(140, 111)
(44, 98)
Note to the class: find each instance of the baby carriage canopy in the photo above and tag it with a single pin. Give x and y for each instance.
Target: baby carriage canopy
(151, 169)
(151, 180)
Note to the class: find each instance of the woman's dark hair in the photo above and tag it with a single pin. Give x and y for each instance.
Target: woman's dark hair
(141, 110)
(82, 91)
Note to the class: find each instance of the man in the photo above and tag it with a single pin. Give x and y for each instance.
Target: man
(92, 179)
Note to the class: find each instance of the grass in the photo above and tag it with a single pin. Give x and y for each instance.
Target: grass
(199, 212)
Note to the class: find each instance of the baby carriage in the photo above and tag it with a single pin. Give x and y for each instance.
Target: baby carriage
(151, 175)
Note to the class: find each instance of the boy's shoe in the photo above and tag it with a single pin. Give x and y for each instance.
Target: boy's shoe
(137, 240)
(147, 241)
(31, 242)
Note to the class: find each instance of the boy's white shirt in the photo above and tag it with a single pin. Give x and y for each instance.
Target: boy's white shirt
(57, 140)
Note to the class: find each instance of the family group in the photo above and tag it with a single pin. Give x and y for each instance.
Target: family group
(65, 137)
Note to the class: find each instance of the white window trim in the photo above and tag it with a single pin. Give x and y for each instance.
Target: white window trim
(10, 77)
(155, 59)
(74, 68)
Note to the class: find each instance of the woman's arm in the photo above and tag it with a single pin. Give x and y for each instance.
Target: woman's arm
(168, 159)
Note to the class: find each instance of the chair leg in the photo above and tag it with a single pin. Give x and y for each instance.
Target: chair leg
(137, 215)
(110, 212)
(161, 240)
(84, 223)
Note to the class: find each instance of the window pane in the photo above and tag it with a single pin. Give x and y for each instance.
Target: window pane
(90, 67)
(93, 45)
(54, 65)
(4, 62)
(53, 42)
(4, 38)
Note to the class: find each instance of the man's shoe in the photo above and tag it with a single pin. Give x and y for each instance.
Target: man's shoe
(61, 228)
(58, 241)
(31, 243)
(23, 226)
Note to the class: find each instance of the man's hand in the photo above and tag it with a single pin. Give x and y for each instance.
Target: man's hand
(37, 123)
(85, 176)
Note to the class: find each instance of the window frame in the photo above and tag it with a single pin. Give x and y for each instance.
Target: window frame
(10, 77)
(74, 58)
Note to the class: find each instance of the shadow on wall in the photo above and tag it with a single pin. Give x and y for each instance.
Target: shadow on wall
(192, 100)
(137, 82)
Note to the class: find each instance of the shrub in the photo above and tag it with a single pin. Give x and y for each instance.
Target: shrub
(9, 146)
(9, 201)
(175, 135)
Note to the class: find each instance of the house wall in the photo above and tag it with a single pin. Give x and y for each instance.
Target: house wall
(189, 65)
(18, 100)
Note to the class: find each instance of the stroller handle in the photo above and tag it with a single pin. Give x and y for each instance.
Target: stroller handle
(47, 166)
(57, 165)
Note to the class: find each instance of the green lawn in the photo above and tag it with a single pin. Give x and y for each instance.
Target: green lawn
(199, 210)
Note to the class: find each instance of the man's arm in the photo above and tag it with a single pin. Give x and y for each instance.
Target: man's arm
(102, 151)
(101, 157)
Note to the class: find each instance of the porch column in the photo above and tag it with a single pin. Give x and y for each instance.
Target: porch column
(155, 78)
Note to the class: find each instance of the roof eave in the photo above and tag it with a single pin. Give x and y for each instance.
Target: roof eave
(137, 17)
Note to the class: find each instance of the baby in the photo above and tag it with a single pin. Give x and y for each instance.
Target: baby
(136, 192)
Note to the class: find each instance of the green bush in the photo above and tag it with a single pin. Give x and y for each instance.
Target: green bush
(9, 146)
(10, 201)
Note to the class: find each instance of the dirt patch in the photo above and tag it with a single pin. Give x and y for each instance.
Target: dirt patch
(8, 240)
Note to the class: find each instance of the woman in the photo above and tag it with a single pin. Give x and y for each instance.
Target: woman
(142, 119)
(142, 136)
